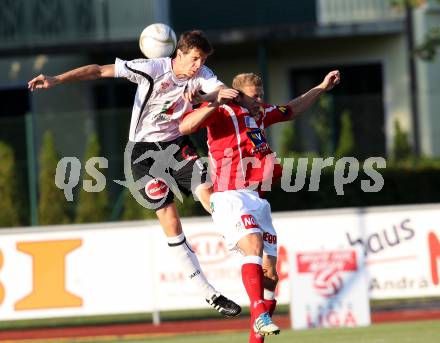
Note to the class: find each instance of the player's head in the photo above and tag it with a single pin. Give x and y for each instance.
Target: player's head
(193, 48)
(251, 91)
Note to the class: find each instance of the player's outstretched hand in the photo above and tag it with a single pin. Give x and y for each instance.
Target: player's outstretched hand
(331, 80)
(225, 95)
(192, 96)
(41, 81)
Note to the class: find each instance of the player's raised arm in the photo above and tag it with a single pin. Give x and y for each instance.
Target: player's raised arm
(191, 122)
(88, 72)
(302, 103)
(210, 97)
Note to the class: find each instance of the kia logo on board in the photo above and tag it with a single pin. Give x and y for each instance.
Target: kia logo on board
(209, 247)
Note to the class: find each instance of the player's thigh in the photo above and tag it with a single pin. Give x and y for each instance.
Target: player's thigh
(233, 216)
(270, 238)
(251, 244)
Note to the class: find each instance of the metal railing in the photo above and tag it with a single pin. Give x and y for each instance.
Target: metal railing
(29, 23)
(355, 11)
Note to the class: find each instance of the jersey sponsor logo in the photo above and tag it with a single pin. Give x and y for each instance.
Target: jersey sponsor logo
(188, 153)
(257, 137)
(163, 87)
(156, 189)
(250, 122)
(168, 108)
(249, 221)
(167, 111)
(283, 110)
(140, 60)
(269, 238)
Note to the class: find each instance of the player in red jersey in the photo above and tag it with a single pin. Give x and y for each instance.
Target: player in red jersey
(241, 161)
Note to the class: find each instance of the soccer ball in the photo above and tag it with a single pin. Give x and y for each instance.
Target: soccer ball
(157, 40)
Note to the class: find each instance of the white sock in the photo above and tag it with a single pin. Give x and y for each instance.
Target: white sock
(190, 264)
(269, 295)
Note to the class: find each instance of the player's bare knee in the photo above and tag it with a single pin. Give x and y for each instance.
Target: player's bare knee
(203, 193)
(169, 220)
(251, 244)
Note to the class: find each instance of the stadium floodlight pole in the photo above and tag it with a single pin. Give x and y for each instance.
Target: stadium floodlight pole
(32, 168)
(262, 63)
(409, 28)
(263, 66)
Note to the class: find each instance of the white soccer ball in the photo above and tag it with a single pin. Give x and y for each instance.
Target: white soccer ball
(157, 40)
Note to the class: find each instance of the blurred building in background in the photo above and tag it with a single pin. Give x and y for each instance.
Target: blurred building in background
(291, 43)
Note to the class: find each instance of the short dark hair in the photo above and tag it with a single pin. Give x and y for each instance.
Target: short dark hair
(194, 39)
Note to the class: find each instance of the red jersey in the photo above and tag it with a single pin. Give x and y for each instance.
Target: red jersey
(239, 154)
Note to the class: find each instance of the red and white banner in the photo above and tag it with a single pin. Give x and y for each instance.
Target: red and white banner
(82, 270)
(401, 245)
(329, 289)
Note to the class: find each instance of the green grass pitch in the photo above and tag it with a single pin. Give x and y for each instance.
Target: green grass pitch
(407, 332)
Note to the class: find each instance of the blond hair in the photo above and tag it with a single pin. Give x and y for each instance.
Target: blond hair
(246, 79)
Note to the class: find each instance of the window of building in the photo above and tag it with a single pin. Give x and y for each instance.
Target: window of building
(360, 94)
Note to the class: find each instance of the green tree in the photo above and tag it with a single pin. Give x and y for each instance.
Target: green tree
(401, 147)
(321, 124)
(346, 146)
(92, 206)
(53, 206)
(135, 211)
(9, 205)
(428, 49)
(189, 207)
(287, 139)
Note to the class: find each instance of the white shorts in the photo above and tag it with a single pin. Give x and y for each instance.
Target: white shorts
(238, 213)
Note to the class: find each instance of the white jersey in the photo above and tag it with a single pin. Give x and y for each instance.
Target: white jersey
(158, 103)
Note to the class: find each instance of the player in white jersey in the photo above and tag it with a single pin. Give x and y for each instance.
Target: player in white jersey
(161, 158)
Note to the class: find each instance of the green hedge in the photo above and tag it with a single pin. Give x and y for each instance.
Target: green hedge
(401, 186)
(9, 190)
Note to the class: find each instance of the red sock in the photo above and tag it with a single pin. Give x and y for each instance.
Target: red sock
(252, 276)
(256, 338)
(270, 305)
